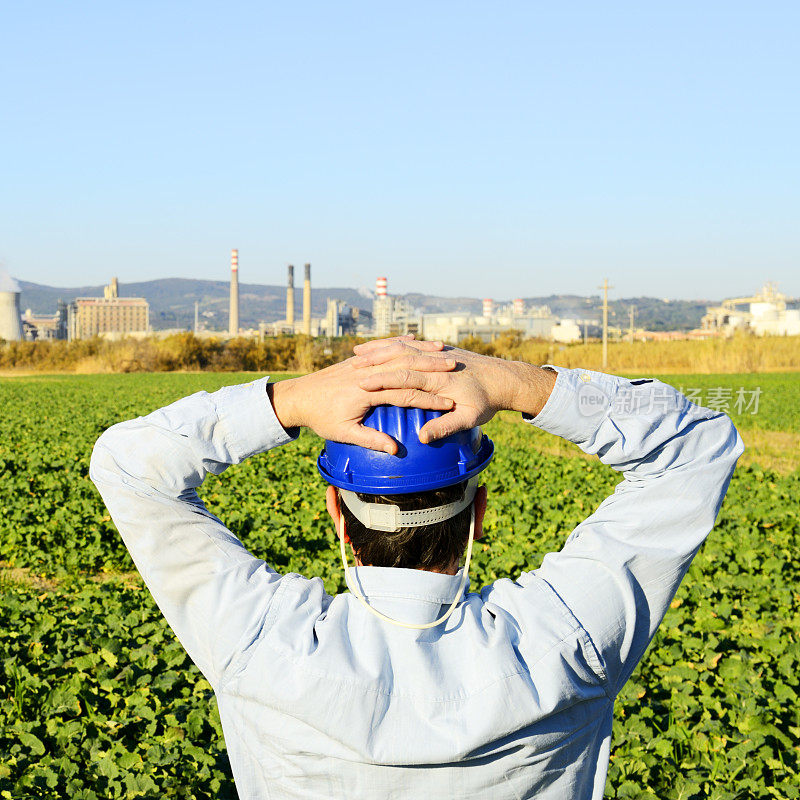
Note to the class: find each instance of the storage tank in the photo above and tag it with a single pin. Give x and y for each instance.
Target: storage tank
(791, 326)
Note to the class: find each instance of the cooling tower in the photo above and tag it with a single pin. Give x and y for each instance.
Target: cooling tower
(10, 319)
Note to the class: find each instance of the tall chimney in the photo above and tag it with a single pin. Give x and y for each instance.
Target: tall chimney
(488, 307)
(234, 312)
(307, 301)
(290, 297)
(380, 287)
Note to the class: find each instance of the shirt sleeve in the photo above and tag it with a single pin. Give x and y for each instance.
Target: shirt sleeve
(212, 591)
(620, 568)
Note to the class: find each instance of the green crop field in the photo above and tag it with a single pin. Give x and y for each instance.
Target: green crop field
(98, 700)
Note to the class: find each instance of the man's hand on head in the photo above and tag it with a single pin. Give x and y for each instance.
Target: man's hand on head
(478, 385)
(333, 403)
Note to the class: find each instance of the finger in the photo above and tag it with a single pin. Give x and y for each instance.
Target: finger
(409, 359)
(411, 398)
(446, 425)
(377, 344)
(402, 379)
(371, 439)
(399, 352)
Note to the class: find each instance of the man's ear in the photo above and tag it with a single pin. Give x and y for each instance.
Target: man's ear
(480, 510)
(332, 503)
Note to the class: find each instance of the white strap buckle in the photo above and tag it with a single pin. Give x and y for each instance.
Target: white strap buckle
(389, 518)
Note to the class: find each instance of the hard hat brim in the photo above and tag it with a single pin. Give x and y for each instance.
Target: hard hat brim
(385, 473)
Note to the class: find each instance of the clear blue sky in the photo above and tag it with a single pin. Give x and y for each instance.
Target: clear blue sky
(490, 149)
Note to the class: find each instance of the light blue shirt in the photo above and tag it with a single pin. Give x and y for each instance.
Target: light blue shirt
(511, 698)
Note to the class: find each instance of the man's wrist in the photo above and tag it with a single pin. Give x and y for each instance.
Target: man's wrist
(532, 387)
(283, 396)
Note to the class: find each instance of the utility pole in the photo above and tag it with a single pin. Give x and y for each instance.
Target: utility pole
(605, 287)
(632, 312)
(196, 316)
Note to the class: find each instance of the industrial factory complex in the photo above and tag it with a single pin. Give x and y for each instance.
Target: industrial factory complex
(768, 312)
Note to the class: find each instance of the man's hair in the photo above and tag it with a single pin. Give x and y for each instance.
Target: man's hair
(431, 547)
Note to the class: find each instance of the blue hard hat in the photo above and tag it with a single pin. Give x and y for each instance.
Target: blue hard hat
(417, 467)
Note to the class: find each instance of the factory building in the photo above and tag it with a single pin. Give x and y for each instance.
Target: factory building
(566, 331)
(110, 315)
(393, 316)
(764, 314)
(340, 320)
(532, 322)
(41, 327)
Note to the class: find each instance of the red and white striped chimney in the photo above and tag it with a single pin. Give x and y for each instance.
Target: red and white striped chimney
(233, 326)
(488, 306)
(519, 306)
(380, 287)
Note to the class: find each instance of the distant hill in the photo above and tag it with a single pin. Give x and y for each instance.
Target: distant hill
(172, 303)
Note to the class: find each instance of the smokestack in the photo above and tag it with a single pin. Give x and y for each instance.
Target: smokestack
(233, 328)
(10, 317)
(488, 307)
(290, 297)
(307, 301)
(380, 287)
(519, 307)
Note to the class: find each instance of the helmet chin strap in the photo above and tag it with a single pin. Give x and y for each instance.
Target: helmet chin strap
(464, 575)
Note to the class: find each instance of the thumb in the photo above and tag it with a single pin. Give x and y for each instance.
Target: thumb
(443, 426)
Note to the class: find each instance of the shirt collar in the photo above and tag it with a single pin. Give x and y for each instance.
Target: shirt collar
(410, 595)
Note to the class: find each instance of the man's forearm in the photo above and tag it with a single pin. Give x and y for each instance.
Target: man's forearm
(515, 385)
